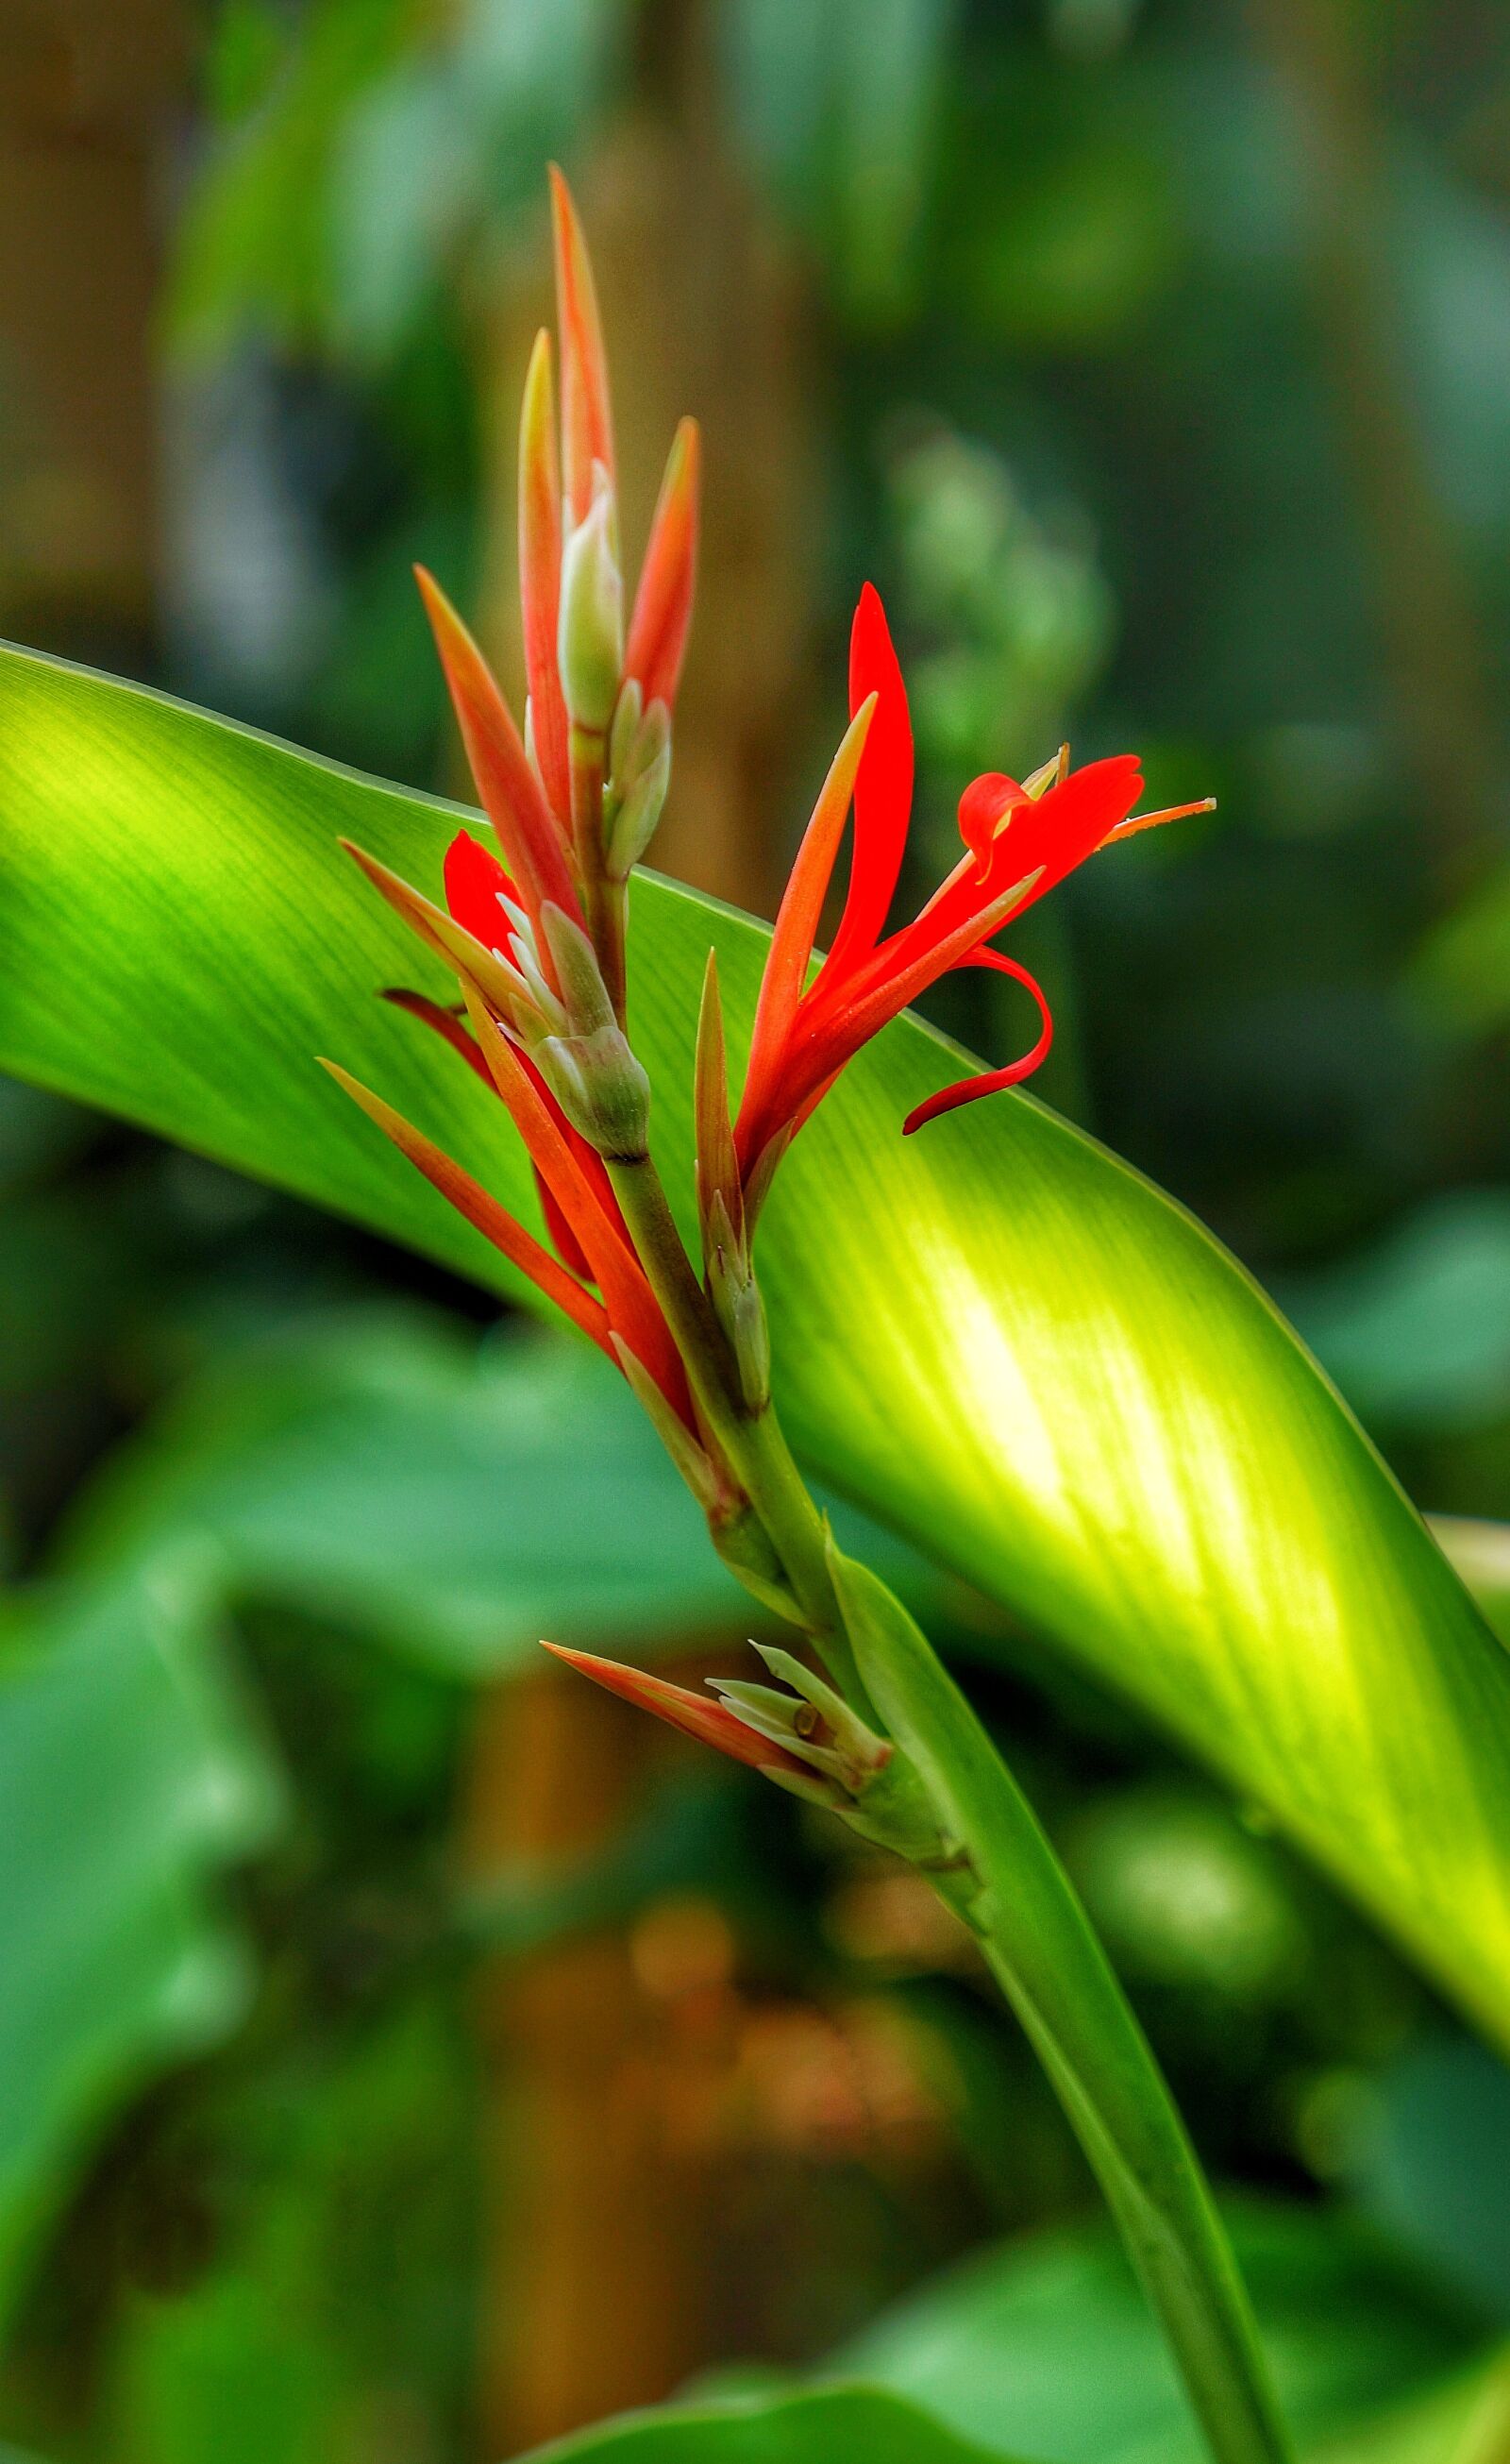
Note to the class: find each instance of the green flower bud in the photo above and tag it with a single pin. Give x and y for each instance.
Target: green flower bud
(590, 639)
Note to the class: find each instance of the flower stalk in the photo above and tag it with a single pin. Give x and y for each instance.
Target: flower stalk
(532, 928)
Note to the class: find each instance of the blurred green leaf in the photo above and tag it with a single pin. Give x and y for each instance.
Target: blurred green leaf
(995, 1336)
(838, 2426)
(1048, 2346)
(1416, 1331)
(130, 1776)
(457, 1503)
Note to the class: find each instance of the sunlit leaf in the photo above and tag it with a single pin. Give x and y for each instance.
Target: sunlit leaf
(993, 1335)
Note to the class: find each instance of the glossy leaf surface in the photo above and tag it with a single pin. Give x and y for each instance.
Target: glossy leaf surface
(995, 1335)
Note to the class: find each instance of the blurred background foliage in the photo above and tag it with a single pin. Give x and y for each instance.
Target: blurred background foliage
(396, 2065)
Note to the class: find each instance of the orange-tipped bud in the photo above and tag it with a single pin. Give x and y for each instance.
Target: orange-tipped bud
(586, 421)
(541, 576)
(695, 1715)
(663, 606)
(511, 793)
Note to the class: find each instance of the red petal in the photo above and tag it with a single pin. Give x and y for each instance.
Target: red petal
(982, 806)
(969, 1090)
(474, 883)
(541, 577)
(446, 1023)
(662, 604)
(796, 923)
(884, 788)
(695, 1715)
(586, 421)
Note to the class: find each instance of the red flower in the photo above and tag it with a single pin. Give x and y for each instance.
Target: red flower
(1019, 843)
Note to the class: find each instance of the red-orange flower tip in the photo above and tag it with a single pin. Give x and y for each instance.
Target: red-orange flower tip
(695, 1715)
(586, 421)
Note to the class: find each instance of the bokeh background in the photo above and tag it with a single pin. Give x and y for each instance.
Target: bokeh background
(404, 2056)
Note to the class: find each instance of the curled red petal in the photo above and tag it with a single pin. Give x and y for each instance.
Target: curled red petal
(695, 1715)
(991, 1082)
(981, 809)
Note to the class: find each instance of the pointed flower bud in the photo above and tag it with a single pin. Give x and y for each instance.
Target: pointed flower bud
(739, 1307)
(586, 422)
(635, 814)
(591, 628)
(662, 605)
(589, 1068)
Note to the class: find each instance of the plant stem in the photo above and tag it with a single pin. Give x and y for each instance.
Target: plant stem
(604, 901)
(1011, 1890)
(754, 1442)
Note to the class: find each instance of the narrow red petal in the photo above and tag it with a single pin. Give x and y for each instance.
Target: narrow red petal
(662, 605)
(563, 1240)
(791, 950)
(511, 793)
(446, 1023)
(695, 1715)
(541, 577)
(1155, 820)
(969, 1090)
(484, 1213)
(883, 788)
(586, 421)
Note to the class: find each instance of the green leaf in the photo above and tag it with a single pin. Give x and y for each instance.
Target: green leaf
(838, 2426)
(1047, 2343)
(386, 1471)
(993, 1335)
(388, 1474)
(128, 1777)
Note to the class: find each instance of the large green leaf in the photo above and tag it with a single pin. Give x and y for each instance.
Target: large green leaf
(995, 1335)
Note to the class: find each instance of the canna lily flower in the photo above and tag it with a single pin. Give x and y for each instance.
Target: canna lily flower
(1020, 841)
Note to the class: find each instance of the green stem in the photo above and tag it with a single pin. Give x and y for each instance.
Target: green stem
(1039, 1943)
(605, 904)
(754, 1442)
